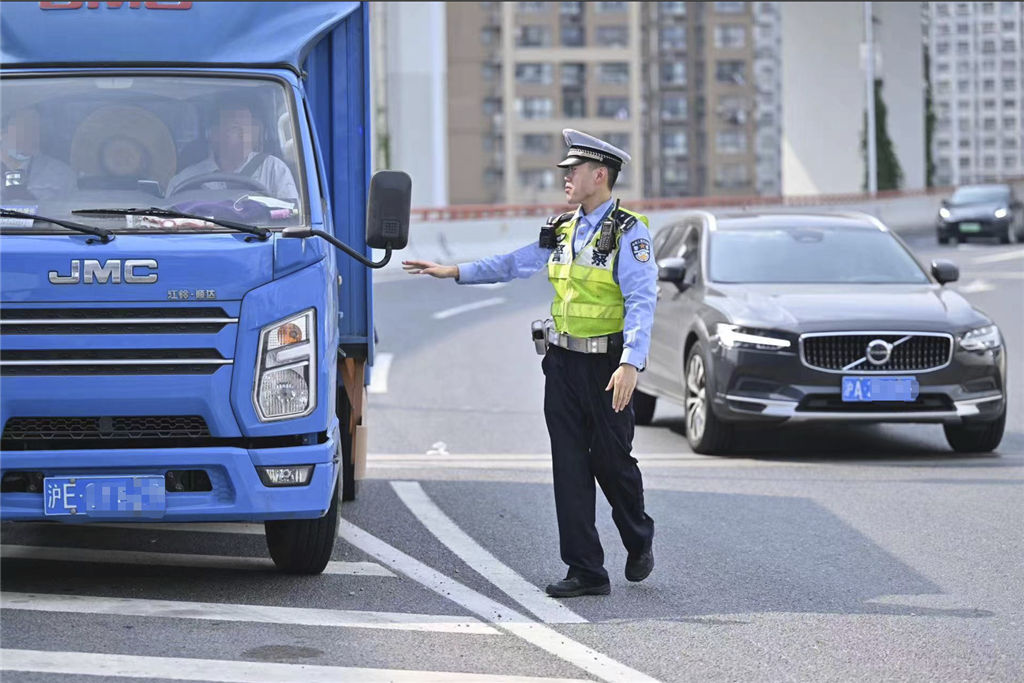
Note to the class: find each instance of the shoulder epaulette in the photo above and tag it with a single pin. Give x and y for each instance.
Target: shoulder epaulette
(625, 220)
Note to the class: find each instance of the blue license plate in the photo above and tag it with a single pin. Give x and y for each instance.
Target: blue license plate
(857, 389)
(106, 497)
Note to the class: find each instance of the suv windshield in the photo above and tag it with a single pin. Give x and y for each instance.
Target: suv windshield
(825, 255)
(213, 146)
(980, 194)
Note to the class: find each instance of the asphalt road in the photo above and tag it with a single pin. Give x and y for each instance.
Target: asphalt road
(855, 554)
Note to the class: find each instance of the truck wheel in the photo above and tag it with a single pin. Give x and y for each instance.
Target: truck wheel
(304, 546)
(705, 433)
(643, 407)
(976, 438)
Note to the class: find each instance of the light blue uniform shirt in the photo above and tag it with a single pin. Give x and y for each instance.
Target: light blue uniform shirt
(637, 278)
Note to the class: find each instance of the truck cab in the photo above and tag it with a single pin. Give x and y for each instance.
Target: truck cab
(179, 339)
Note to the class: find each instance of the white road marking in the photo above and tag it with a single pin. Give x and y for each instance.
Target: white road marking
(379, 373)
(1002, 256)
(476, 556)
(541, 635)
(466, 308)
(226, 671)
(523, 461)
(257, 614)
(976, 287)
(25, 552)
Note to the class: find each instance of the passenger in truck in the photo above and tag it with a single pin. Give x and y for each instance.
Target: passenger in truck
(28, 173)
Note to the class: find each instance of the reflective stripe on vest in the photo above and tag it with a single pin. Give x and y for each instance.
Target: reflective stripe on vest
(588, 301)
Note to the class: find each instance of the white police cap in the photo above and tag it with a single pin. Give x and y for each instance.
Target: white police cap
(584, 148)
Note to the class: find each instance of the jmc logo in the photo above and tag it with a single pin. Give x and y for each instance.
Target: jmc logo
(108, 272)
(115, 5)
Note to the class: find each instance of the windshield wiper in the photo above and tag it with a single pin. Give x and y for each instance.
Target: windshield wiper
(104, 235)
(262, 233)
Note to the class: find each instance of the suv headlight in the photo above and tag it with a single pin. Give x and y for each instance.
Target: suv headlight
(981, 339)
(1002, 213)
(944, 213)
(286, 369)
(736, 337)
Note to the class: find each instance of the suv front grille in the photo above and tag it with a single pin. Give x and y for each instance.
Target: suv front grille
(911, 352)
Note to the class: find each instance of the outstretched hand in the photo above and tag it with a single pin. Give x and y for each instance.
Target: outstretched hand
(623, 382)
(430, 268)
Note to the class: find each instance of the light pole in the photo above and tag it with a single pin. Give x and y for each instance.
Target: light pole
(869, 70)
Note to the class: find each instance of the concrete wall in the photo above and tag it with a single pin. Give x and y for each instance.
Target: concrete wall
(416, 96)
(823, 92)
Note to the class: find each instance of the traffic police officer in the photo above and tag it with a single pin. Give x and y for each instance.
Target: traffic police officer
(600, 263)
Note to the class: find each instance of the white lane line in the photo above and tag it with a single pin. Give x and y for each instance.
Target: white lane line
(226, 671)
(541, 635)
(26, 552)
(257, 614)
(480, 559)
(379, 373)
(976, 287)
(466, 308)
(1003, 256)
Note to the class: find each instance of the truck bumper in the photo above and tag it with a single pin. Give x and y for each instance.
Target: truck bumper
(237, 495)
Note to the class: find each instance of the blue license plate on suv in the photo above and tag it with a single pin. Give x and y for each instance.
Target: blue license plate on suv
(857, 389)
(106, 497)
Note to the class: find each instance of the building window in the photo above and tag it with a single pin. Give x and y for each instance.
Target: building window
(675, 173)
(989, 104)
(1009, 84)
(1008, 7)
(613, 108)
(673, 73)
(1010, 104)
(673, 108)
(988, 8)
(990, 162)
(538, 143)
(493, 178)
(533, 36)
(532, 108)
(990, 124)
(987, 65)
(942, 48)
(613, 72)
(964, 86)
(942, 68)
(963, 29)
(966, 144)
(534, 74)
(533, 7)
(573, 36)
(732, 109)
(673, 143)
(963, 9)
(730, 7)
(574, 106)
(964, 125)
(1009, 65)
(673, 38)
(963, 67)
(729, 36)
(537, 179)
(731, 142)
(492, 105)
(489, 36)
(988, 47)
(573, 75)
(942, 29)
(491, 72)
(610, 7)
(730, 71)
(1009, 123)
(942, 9)
(1009, 45)
(673, 9)
(613, 36)
(1009, 161)
(732, 175)
(571, 9)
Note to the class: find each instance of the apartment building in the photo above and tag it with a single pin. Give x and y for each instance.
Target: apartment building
(689, 90)
(976, 54)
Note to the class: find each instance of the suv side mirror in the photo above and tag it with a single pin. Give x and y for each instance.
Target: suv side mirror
(673, 270)
(945, 271)
(387, 210)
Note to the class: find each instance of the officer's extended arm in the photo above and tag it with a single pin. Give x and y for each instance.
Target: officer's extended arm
(521, 263)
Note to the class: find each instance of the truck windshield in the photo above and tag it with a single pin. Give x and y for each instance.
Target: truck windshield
(214, 146)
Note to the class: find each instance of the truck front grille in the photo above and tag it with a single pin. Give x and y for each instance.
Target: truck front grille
(84, 428)
(77, 362)
(75, 321)
(911, 352)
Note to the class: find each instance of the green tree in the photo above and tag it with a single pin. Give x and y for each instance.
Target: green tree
(890, 174)
(929, 123)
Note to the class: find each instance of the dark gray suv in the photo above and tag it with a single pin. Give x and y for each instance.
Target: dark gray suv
(794, 317)
(981, 211)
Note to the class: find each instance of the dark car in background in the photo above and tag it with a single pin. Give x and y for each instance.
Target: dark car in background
(765, 319)
(981, 211)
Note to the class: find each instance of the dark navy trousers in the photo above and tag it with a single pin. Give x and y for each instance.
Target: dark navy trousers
(590, 441)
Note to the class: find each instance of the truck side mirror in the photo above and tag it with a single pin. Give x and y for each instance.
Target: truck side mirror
(387, 210)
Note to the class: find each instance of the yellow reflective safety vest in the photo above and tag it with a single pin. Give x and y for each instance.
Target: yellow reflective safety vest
(588, 301)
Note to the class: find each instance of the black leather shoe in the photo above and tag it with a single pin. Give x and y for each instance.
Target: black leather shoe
(639, 567)
(575, 587)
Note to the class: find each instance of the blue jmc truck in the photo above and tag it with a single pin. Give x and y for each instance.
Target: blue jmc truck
(179, 339)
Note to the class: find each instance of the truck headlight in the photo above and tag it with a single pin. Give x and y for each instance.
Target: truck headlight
(286, 368)
(736, 337)
(981, 339)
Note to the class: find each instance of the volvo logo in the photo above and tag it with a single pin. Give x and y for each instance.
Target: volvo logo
(879, 351)
(91, 272)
